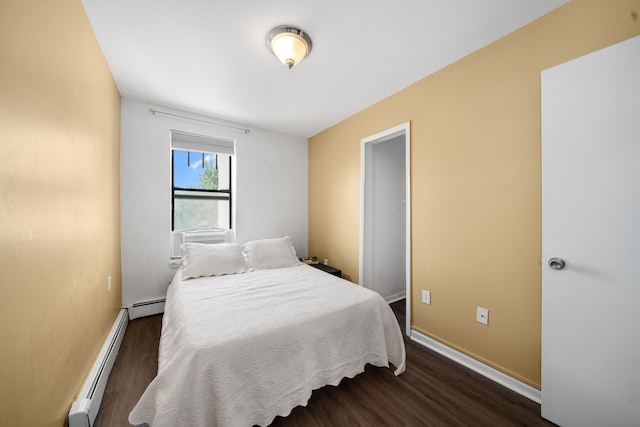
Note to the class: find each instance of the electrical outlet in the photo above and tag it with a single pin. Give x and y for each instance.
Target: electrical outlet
(482, 316)
(109, 284)
(426, 297)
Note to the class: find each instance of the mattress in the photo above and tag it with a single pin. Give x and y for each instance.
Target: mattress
(241, 349)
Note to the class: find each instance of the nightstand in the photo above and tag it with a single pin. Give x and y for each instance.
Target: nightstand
(328, 269)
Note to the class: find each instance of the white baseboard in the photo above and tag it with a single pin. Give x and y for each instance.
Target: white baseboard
(145, 308)
(485, 370)
(84, 409)
(396, 297)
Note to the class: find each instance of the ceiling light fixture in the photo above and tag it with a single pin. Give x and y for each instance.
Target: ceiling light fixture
(290, 44)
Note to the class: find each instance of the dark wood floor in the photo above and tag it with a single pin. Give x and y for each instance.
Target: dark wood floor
(434, 391)
(135, 367)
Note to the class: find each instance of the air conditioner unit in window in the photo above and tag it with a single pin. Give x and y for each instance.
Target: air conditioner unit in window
(213, 236)
(210, 236)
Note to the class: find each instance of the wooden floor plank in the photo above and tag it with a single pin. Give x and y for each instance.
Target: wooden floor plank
(135, 367)
(434, 391)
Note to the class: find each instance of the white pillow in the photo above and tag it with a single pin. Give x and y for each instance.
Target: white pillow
(270, 253)
(201, 259)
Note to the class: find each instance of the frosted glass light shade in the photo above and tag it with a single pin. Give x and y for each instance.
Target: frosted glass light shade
(291, 45)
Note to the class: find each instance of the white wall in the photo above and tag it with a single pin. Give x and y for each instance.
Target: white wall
(270, 192)
(385, 217)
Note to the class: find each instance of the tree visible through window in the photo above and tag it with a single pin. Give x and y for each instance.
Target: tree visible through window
(201, 190)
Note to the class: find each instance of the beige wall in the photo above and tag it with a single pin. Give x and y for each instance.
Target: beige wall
(476, 183)
(59, 207)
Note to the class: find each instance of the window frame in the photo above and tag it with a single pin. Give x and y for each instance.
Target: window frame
(202, 194)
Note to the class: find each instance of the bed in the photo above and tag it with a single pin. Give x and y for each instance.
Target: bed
(242, 347)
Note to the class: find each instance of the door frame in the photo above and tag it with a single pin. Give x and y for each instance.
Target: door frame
(401, 129)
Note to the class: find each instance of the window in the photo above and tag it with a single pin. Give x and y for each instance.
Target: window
(201, 182)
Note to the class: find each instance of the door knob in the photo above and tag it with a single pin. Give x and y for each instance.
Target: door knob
(557, 263)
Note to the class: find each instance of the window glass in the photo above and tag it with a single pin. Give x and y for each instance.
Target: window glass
(201, 191)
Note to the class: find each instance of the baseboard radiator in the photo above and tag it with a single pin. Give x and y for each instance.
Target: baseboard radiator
(146, 308)
(84, 410)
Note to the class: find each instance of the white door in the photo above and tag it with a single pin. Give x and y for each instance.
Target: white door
(591, 220)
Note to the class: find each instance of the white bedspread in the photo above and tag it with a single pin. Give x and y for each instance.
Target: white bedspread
(240, 350)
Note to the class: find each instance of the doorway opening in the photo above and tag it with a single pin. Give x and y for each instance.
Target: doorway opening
(385, 215)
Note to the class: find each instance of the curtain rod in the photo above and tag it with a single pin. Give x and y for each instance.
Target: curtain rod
(245, 130)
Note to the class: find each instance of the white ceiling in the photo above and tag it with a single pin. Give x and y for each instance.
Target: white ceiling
(211, 56)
